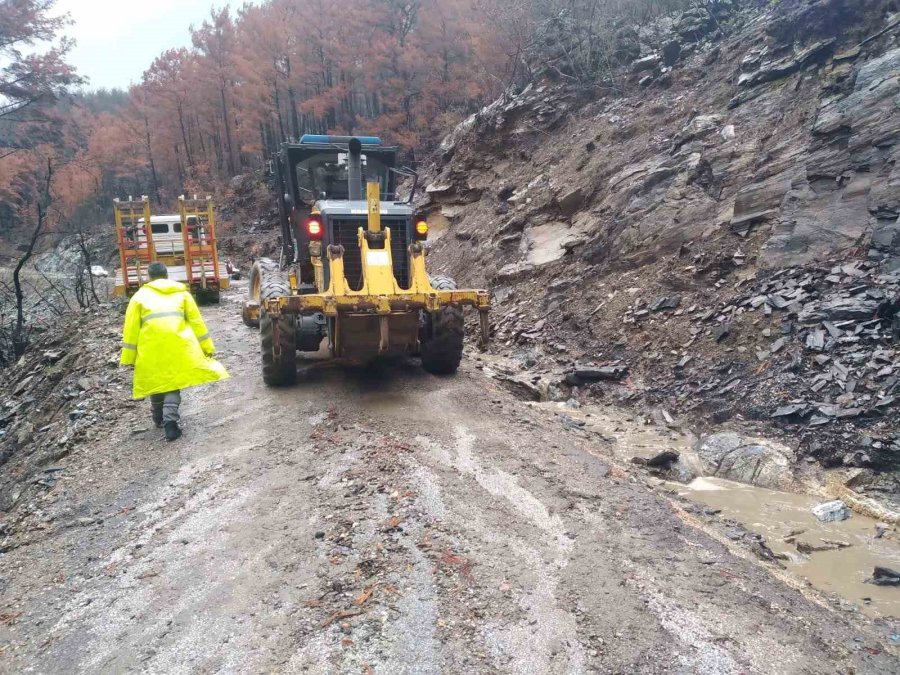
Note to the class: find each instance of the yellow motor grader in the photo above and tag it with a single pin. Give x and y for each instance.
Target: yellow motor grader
(352, 266)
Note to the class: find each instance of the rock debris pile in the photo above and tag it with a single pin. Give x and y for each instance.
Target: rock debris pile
(818, 348)
(65, 392)
(721, 229)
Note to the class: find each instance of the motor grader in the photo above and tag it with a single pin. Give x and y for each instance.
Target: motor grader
(351, 277)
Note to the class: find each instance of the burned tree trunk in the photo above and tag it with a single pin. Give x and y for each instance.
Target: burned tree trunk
(20, 335)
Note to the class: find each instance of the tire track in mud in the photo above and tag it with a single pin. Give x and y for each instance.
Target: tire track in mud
(374, 598)
(165, 597)
(182, 563)
(530, 644)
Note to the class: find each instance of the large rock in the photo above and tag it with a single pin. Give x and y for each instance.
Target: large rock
(570, 201)
(647, 63)
(671, 52)
(699, 127)
(886, 236)
(877, 82)
(839, 308)
(544, 244)
(846, 185)
(745, 460)
(694, 23)
(759, 201)
(582, 376)
(885, 576)
(830, 512)
(775, 70)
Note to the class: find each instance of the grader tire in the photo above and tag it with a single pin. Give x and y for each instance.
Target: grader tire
(279, 359)
(442, 351)
(260, 269)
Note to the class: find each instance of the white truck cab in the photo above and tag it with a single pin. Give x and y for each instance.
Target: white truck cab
(167, 238)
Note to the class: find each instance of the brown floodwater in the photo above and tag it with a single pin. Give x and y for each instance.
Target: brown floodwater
(775, 514)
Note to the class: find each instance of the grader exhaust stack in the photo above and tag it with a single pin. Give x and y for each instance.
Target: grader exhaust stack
(357, 281)
(354, 170)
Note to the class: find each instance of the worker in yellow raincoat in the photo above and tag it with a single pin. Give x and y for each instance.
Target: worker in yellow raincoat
(166, 341)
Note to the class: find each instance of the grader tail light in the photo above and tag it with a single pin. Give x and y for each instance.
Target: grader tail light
(314, 228)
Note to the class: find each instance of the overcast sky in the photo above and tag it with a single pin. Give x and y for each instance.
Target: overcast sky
(118, 39)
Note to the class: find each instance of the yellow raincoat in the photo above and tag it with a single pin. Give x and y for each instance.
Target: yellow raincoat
(166, 341)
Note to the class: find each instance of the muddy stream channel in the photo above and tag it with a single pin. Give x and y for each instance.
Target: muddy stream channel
(784, 519)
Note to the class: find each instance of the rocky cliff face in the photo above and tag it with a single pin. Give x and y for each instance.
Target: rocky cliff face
(786, 130)
(641, 222)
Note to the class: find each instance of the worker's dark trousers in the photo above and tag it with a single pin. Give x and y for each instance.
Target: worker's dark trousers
(169, 403)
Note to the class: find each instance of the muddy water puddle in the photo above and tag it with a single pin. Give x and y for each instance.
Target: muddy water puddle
(770, 513)
(776, 514)
(632, 437)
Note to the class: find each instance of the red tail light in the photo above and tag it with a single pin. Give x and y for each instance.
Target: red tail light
(314, 228)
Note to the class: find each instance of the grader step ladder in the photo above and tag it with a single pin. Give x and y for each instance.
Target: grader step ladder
(135, 237)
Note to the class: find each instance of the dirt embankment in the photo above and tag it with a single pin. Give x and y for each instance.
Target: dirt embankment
(722, 225)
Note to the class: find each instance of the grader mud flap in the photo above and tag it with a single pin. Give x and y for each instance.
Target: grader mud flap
(250, 313)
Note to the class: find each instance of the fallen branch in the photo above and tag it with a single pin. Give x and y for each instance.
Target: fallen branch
(365, 595)
(337, 616)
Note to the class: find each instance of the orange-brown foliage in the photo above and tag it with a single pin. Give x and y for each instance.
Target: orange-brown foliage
(270, 71)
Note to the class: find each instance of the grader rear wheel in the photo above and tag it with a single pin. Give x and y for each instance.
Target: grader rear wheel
(278, 335)
(442, 346)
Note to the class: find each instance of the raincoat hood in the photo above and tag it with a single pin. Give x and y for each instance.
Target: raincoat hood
(166, 341)
(166, 286)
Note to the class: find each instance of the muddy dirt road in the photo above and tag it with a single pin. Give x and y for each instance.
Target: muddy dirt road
(392, 522)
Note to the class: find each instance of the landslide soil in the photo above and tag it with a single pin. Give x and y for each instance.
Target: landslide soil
(389, 521)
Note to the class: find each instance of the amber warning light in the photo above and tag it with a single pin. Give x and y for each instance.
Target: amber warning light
(421, 229)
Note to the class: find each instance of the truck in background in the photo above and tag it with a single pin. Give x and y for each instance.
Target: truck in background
(185, 242)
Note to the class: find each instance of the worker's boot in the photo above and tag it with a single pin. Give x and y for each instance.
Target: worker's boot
(158, 417)
(173, 432)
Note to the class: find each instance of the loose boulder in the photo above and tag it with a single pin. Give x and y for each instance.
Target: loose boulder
(885, 576)
(570, 201)
(745, 460)
(646, 63)
(831, 512)
(663, 460)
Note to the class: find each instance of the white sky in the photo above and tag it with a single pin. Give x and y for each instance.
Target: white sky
(117, 40)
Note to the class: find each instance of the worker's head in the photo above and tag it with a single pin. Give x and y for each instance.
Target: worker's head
(156, 270)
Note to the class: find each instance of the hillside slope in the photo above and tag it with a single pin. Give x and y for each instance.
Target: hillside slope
(697, 220)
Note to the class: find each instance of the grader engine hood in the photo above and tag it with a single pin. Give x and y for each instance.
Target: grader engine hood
(341, 221)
